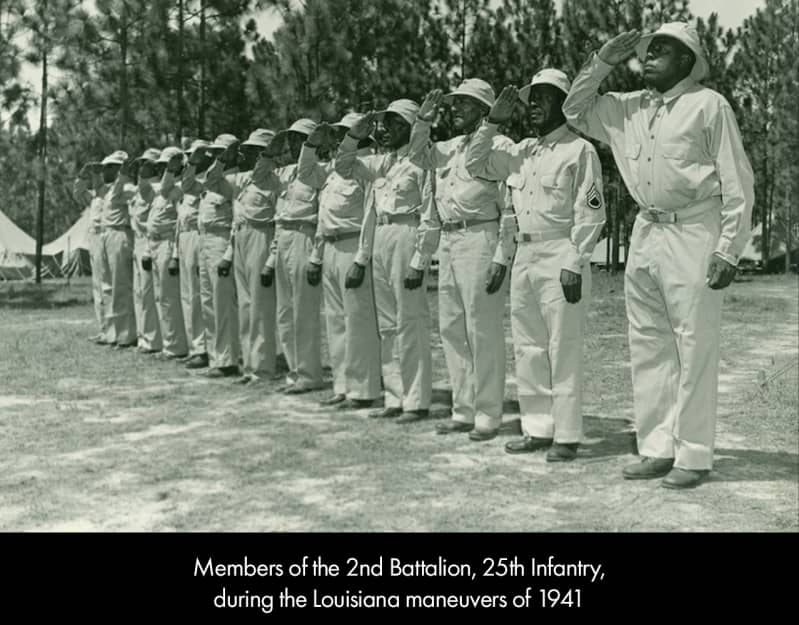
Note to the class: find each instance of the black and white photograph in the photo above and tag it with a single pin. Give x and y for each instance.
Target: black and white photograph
(399, 266)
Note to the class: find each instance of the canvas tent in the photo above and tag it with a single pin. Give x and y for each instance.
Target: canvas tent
(72, 248)
(17, 251)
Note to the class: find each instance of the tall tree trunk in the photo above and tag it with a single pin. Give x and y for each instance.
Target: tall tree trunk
(788, 227)
(181, 104)
(618, 212)
(463, 42)
(123, 76)
(201, 105)
(42, 149)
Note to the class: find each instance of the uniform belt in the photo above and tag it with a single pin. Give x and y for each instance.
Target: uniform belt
(159, 237)
(542, 235)
(689, 214)
(220, 230)
(332, 237)
(450, 226)
(95, 229)
(260, 226)
(401, 218)
(115, 227)
(296, 225)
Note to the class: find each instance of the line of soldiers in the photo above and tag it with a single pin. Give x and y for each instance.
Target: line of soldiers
(222, 254)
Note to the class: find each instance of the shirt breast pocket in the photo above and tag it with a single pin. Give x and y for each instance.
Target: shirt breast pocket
(680, 173)
(302, 193)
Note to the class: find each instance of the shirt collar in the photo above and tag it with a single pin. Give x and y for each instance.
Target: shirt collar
(403, 151)
(552, 137)
(675, 92)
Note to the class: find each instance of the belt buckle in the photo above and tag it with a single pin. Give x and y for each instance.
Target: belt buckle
(526, 237)
(662, 217)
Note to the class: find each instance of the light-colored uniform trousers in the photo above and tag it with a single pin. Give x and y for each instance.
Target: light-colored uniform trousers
(351, 318)
(189, 255)
(101, 282)
(117, 261)
(470, 322)
(167, 297)
(548, 342)
(257, 305)
(674, 320)
(298, 307)
(148, 328)
(218, 296)
(403, 317)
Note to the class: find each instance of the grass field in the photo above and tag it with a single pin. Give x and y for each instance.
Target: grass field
(96, 440)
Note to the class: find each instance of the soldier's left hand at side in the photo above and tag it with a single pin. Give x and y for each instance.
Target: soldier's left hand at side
(720, 273)
(313, 274)
(495, 277)
(413, 279)
(572, 284)
(223, 269)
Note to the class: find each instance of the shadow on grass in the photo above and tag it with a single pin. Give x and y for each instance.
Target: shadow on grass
(48, 295)
(614, 437)
(746, 465)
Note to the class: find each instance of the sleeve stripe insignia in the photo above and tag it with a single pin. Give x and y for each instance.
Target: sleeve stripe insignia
(593, 198)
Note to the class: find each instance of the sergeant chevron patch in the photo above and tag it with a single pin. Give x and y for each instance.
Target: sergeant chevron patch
(593, 198)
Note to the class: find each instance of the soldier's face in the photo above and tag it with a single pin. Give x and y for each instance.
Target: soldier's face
(338, 136)
(110, 173)
(667, 62)
(545, 103)
(248, 154)
(466, 112)
(295, 141)
(202, 160)
(147, 170)
(394, 131)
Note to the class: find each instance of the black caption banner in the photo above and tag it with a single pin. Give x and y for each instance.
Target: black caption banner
(263, 576)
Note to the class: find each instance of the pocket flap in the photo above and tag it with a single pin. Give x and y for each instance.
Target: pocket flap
(551, 182)
(682, 151)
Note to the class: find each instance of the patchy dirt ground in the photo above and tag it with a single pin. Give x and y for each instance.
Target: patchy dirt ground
(95, 440)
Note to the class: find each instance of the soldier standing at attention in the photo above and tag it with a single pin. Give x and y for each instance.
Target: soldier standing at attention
(352, 336)
(389, 240)
(556, 184)
(472, 262)
(186, 255)
(217, 287)
(679, 151)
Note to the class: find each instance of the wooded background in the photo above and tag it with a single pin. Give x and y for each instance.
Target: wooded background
(134, 74)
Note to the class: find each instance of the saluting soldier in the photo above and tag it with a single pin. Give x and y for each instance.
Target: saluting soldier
(389, 240)
(117, 248)
(148, 327)
(186, 254)
(298, 300)
(472, 262)
(89, 189)
(679, 151)
(352, 335)
(217, 286)
(254, 231)
(556, 185)
(161, 229)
